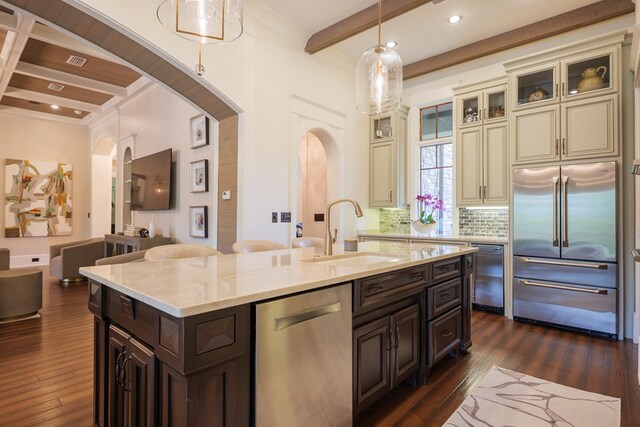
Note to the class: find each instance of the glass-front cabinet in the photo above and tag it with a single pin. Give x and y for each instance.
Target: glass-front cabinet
(572, 77)
(481, 106)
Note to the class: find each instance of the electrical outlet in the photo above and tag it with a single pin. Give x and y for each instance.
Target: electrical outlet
(274, 216)
(285, 216)
(35, 259)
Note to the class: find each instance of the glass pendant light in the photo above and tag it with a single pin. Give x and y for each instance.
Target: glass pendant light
(378, 77)
(202, 21)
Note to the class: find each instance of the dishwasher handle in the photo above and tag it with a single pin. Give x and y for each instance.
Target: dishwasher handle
(284, 322)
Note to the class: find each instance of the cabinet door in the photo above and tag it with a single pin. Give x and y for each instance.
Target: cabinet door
(495, 105)
(469, 166)
(589, 127)
(406, 334)
(469, 108)
(535, 86)
(496, 164)
(382, 175)
(382, 128)
(141, 375)
(117, 353)
(535, 135)
(371, 349)
(590, 74)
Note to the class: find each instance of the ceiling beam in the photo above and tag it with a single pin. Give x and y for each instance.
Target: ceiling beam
(359, 22)
(25, 24)
(52, 99)
(33, 70)
(577, 18)
(39, 115)
(8, 22)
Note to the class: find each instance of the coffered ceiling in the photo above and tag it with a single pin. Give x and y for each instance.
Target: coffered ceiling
(47, 74)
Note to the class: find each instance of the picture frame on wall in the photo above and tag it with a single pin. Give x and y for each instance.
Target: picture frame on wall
(199, 131)
(199, 181)
(198, 222)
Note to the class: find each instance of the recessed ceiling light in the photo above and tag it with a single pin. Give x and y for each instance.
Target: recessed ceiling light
(454, 19)
(78, 112)
(54, 107)
(391, 44)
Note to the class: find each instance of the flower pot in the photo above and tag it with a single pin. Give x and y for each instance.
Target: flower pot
(421, 227)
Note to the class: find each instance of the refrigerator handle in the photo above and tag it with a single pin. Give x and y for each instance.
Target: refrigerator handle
(565, 220)
(555, 211)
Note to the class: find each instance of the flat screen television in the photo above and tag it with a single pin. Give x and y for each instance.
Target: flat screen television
(151, 183)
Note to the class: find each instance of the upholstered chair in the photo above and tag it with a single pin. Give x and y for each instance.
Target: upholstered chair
(137, 256)
(177, 251)
(20, 292)
(4, 259)
(66, 259)
(244, 246)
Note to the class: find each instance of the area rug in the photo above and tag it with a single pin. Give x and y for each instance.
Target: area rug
(508, 398)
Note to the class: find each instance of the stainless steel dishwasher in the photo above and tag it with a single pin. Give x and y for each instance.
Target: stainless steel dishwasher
(488, 284)
(304, 359)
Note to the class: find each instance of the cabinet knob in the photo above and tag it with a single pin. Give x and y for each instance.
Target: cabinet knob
(447, 333)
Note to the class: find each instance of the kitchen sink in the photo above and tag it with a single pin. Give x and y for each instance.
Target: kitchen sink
(356, 258)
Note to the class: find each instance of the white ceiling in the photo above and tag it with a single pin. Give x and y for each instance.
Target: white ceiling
(424, 31)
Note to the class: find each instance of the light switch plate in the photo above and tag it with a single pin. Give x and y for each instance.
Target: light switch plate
(226, 195)
(285, 216)
(274, 216)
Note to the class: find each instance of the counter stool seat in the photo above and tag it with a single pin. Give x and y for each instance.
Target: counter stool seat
(177, 251)
(244, 246)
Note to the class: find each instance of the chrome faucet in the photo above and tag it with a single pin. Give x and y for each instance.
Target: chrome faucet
(329, 240)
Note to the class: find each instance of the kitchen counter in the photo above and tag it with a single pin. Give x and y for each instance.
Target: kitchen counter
(451, 237)
(192, 286)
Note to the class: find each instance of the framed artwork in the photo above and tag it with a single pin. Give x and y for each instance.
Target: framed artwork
(199, 131)
(199, 176)
(198, 223)
(38, 198)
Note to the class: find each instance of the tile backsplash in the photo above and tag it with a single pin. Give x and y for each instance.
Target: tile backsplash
(471, 222)
(483, 222)
(395, 221)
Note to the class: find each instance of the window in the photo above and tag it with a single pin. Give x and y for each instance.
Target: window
(436, 160)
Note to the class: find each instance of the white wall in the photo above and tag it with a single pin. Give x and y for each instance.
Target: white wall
(260, 73)
(44, 140)
(312, 185)
(161, 120)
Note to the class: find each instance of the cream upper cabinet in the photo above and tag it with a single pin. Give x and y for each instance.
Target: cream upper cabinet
(565, 103)
(387, 158)
(482, 144)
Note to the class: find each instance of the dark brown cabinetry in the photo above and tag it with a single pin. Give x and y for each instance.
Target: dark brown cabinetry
(151, 368)
(386, 352)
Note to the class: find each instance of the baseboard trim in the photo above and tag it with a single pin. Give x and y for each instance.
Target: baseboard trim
(34, 260)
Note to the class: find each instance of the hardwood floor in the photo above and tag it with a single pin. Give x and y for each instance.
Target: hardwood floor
(46, 366)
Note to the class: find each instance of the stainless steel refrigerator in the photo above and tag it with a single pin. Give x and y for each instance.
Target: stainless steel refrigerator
(564, 246)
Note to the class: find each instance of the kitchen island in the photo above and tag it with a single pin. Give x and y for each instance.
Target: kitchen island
(175, 341)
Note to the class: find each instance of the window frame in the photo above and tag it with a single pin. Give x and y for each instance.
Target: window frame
(436, 106)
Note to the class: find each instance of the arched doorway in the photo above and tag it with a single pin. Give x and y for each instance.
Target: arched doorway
(312, 187)
(103, 194)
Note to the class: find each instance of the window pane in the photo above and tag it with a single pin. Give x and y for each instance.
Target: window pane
(428, 157)
(436, 178)
(428, 121)
(445, 124)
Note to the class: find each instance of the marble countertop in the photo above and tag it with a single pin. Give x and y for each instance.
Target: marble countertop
(454, 237)
(192, 286)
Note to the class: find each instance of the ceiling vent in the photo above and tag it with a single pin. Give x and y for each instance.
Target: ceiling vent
(56, 87)
(76, 61)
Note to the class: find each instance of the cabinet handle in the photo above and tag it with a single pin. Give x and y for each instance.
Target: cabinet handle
(484, 192)
(562, 88)
(373, 289)
(445, 296)
(397, 337)
(389, 340)
(555, 95)
(480, 192)
(118, 367)
(484, 114)
(564, 146)
(557, 146)
(415, 276)
(447, 333)
(391, 195)
(123, 381)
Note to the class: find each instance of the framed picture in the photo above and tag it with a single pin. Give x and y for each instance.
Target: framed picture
(198, 223)
(199, 176)
(199, 131)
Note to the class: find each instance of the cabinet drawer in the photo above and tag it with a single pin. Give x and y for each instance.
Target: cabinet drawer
(443, 297)
(446, 269)
(444, 334)
(379, 290)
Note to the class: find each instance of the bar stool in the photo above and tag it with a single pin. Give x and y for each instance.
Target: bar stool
(244, 246)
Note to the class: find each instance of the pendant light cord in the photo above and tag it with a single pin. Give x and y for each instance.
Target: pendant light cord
(379, 22)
